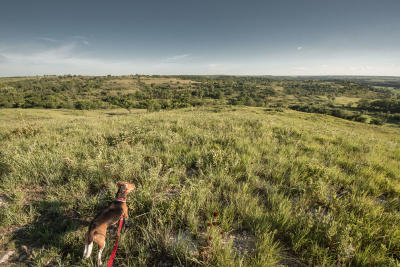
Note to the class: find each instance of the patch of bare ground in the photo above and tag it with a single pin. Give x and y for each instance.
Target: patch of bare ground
(3, 200)
(167, 193)
(15, 257)
(33, 193)
(10, 231)
(242, 242)
(185, 239)
(288, 259)
(6, 257)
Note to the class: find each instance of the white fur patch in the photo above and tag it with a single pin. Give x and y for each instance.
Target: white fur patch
(99, 254)
(88, 250)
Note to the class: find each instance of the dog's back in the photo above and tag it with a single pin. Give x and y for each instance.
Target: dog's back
(98, 226)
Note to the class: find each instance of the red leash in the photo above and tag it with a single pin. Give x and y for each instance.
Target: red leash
(110, 261)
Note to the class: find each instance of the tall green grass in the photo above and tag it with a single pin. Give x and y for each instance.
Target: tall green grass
(288, 188)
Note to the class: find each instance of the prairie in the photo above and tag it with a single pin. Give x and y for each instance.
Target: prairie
(358, 99)
(233, 186)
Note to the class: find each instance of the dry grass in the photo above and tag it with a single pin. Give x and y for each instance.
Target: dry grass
(289, 188)
(155, 80)
(344, 100)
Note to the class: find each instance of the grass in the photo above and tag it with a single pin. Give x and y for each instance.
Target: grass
(215, 186)
(161, 80)
(344, 100)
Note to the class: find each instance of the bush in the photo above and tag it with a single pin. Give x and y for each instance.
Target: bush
(377, 121)
(361, 118)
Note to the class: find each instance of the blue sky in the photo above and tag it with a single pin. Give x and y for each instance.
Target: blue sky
(285, 37)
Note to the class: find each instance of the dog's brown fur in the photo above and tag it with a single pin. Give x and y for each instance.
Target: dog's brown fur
(98, 227)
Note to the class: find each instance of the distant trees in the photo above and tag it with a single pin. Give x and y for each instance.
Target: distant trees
(386, 105)
(316, 96)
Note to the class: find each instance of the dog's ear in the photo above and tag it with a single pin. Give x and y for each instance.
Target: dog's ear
(132, 187)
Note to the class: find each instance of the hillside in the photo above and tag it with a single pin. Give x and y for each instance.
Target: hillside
(250, 186)
(373, 100)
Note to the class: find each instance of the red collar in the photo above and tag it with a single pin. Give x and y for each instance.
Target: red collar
(121, 199)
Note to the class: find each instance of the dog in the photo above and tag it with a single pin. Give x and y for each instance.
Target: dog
(110, 216)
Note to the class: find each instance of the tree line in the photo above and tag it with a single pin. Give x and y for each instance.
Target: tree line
(146, 92)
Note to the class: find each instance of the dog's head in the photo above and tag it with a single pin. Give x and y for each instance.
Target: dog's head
(126, 187)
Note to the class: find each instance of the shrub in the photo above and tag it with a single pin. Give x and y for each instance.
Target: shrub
(377, 121)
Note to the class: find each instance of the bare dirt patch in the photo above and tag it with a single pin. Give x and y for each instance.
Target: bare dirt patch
(5, 258)
(184, 238)
(3, 200)
(242, 242)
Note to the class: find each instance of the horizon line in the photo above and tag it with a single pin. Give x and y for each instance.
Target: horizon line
(233, 75)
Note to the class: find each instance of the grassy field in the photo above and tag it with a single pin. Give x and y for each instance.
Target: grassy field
(216, 186)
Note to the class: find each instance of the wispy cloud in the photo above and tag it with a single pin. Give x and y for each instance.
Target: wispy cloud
(43, 56)
(47, 39)
(57, 58)
(299, 48)
(82, 39)
(178, 57)
(76, 39)
(3, 59)
(301, 68)
(72, 56)
(224, 68)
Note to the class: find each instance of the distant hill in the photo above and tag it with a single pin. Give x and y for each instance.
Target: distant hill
(368, 99)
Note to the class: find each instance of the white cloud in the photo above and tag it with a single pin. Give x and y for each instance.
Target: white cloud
(82, 39)
(224, 68)
(47, 39)
(300, 68)
(178, 57)
(62, 58)
(299, 48)
(73, 39)
(73, 56)
(3, 58)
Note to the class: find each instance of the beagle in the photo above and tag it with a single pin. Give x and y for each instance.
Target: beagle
(98, 226)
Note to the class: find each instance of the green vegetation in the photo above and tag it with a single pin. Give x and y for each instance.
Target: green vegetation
(364, 99)
(216, 186)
